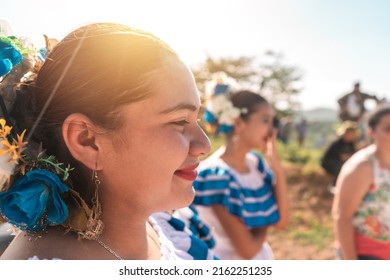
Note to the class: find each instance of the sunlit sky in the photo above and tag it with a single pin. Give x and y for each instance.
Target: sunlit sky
(334, 42)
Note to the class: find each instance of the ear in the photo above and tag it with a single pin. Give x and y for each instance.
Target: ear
(369, 133)
(239, 125)
(79, 134)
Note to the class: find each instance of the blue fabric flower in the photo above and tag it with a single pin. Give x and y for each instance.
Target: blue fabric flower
(5, 66)
(209, 117)
(34, 201)
(224, 128)
(9, 57)
(43, 53)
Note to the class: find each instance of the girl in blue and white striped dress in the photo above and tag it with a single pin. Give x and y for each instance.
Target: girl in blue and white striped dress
(238, 193)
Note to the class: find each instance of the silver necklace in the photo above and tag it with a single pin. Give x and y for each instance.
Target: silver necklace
(105, 246)
(112, 252)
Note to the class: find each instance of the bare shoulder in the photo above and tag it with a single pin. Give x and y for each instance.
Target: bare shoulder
(357, 171)
(360, 161)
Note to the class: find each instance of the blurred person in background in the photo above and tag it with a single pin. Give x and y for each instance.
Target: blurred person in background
(352, 107)
(240, 193)
(361, 206)
(301, 129)
(340, 149)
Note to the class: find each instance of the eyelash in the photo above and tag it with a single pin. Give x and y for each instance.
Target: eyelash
(181, 123)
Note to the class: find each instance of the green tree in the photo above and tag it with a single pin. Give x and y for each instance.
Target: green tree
(273, 78)
(241, 69)
(280, 83)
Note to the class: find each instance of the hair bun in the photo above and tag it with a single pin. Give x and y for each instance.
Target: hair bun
(24, 111)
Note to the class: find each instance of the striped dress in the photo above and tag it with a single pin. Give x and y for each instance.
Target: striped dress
(190, 217)
(249, 196)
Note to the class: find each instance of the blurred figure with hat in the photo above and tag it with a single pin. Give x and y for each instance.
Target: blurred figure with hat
(341, 149)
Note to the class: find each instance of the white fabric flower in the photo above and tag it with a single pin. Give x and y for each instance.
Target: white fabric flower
(223, 109)
(219, 104)
(229, 115)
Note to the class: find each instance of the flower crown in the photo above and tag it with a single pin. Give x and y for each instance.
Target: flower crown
(220, 111)
(35, 189)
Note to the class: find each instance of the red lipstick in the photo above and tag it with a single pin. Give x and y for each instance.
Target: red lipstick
(188, 173)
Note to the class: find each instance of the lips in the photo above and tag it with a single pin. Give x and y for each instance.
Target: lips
(188, 173)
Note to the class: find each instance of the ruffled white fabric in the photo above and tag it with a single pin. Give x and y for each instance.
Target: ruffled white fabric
(174, 244)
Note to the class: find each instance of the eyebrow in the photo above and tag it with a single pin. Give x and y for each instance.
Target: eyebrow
(179, 107)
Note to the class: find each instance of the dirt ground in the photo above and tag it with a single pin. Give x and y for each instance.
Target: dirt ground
(310, 233)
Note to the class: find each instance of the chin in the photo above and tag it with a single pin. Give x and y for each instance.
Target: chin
(186, 197)
(177, 202)
(191, 196)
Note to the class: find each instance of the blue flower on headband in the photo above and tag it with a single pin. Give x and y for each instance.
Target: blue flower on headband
(221, 89)
(34, 201)
(225, 128)
(9, 57)
(42, 55)
(220, 112)
(209, 117)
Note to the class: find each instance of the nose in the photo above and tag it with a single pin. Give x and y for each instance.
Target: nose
(200, 143)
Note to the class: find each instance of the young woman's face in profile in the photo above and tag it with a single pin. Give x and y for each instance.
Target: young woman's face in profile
(258, 127)
(153, 163)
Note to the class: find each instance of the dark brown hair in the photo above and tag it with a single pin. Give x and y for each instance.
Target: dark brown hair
(247, 100)
(376, 115)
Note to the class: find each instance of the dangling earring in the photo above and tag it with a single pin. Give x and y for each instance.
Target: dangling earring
(95, 224)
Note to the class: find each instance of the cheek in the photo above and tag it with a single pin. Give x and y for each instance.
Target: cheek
(382, 136)
(253, 136)
(259, 130)
(172, 143)
(149, 156)
(163, 151)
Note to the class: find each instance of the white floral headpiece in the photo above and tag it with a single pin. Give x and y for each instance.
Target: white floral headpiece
(219, 108)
